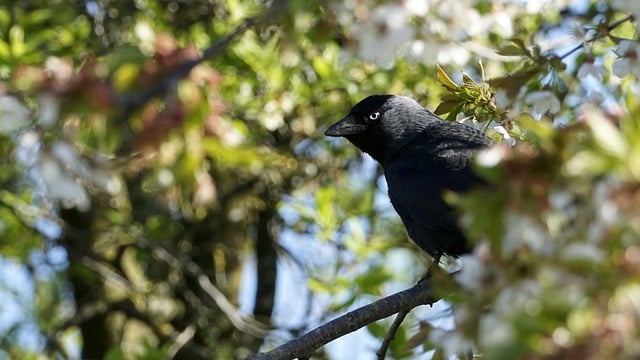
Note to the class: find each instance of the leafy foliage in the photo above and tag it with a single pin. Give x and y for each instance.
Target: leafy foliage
(151, 150)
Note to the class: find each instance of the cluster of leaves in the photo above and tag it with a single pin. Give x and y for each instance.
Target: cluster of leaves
(555, 269)
(150, 167)
(557, 273)
(472, 99)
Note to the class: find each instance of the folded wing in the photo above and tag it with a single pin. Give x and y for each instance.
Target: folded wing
(418, 175)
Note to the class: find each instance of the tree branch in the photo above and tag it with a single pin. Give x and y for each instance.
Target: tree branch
(242, 323)
(597, 36)
(391, 334)
(305, 345)
(131, 102)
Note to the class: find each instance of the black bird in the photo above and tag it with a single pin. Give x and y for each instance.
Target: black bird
(422, 157)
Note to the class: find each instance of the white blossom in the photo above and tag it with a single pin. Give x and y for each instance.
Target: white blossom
(48, 109)
(146, 37)
(537, 6)
(272, 117)
(523, 231)
(382, 34)
(417, 7)
(595, 97)
(61, 69)
(28, 148)
(106, 181)
(452, 343)
(502, 99)
(205, 190)
(582, 251)
(67, 155)
(13, 115)
(543, 101)
(459, 20)
(506, 137)
(494, 332)
(502, 23)
(471, 274)
(61, 185)
(491, 156)
(230, 135)
(627, 64)
(591, 69)
(453, 54)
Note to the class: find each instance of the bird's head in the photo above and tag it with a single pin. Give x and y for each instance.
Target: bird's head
(381, 124)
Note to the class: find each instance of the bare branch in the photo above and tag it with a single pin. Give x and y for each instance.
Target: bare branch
(242, 323)
(245, 324)
(109, 274)
(131, 102)
(181, 340)
(597, 36)
(305, 345)
(391, 334)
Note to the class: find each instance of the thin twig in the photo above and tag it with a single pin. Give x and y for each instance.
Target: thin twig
(391, 334)
(134, 101)
(244, 324)
(434, 264)
(109, 274)
(181, 340)
(129, 103)
(596, 36)
(240, 322)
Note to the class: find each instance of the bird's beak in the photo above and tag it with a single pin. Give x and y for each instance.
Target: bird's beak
(347, 126)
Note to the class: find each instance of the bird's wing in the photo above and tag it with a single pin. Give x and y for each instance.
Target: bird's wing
(419, 173)
(452, 143)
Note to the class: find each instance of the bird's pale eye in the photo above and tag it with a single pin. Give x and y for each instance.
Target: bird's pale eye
(374, 116)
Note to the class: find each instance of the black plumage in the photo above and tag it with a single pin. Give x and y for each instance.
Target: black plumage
(422, 156)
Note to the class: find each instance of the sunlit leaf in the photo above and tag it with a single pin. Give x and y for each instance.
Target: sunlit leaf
(445, 80)
(605, 133)
(511, 50)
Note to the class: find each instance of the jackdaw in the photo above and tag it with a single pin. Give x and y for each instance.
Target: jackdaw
(422, 156)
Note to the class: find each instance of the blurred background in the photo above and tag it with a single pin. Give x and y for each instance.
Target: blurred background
(166, 190)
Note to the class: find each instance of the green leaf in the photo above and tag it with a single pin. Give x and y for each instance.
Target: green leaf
(606, 135)
(370, 281)
(589, 163)
(468, 81)
(445, 80)
(511, 50)
(322, 68)
(16, 41)
(325, 199)
(512, 82)
(530, 130)
(5, 51)
(454, 113)
(447, 106)
(115, 353)
(518, 42)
